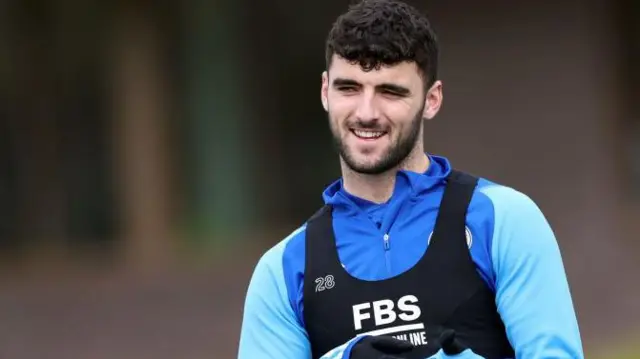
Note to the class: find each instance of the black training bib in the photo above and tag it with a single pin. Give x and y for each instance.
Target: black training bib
(442, 291)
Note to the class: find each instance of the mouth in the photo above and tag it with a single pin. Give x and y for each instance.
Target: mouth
(369, 135)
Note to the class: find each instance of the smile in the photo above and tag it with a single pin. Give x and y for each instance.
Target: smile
(367, 134)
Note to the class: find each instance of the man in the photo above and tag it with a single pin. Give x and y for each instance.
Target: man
(408, 258)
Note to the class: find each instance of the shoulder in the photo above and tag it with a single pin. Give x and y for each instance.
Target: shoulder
(505, 199)
(495, 205)
(520, 231)
(278, 259)
(292, 241)
(511, 209)
(502, 220)
(502, 204)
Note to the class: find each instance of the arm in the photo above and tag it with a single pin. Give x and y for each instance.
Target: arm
(532, 292)
(270, 329)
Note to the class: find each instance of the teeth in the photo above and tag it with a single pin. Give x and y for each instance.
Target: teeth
(368, 134)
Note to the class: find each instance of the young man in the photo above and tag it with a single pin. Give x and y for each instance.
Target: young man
(408, 258)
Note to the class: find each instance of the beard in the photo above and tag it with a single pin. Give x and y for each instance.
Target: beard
(393, 156)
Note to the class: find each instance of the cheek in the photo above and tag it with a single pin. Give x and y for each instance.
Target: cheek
(401, 115)
(339, 110)
(337, 121)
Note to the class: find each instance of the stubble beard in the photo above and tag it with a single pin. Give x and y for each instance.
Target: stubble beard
(395, 155)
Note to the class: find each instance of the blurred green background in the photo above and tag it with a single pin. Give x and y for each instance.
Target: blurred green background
(151, 151)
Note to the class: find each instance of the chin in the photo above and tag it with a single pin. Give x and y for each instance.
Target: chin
(369, 166)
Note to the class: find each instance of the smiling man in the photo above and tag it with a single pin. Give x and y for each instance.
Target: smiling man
(408, 258)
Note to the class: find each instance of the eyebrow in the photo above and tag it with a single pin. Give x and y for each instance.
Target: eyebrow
(345, 82)
(397, 89)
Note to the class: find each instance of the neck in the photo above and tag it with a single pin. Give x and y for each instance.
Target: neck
(378, 188)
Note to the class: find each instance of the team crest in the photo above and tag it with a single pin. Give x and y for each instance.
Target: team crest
(467, 233)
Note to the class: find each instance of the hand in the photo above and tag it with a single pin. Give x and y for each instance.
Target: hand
(450, 344)
(380, 347)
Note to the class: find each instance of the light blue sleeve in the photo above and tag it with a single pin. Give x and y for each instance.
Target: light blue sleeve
(270, 329)
(467, 354)
(343, 351)
(532, 292)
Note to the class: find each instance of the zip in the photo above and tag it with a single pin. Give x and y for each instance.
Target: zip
(387, 247)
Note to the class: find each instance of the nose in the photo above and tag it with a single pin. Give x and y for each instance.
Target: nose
(367, 110)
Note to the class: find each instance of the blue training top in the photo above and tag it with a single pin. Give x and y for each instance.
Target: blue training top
(512, 245)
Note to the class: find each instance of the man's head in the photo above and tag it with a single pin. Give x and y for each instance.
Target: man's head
(381, 81)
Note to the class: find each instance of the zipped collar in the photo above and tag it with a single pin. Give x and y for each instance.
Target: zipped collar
(408, 185)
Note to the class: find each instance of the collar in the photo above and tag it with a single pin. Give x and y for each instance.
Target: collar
(408, 184)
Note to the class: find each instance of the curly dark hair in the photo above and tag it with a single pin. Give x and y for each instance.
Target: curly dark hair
(373, 33)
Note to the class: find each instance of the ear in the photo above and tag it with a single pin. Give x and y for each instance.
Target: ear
(324, 91)
(433, 101)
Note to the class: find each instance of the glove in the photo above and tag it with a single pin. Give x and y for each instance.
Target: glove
(380, 347)
(450, 344)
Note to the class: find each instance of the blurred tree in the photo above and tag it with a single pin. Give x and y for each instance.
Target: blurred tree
(629, 12)
(55, 119)
(219, 138)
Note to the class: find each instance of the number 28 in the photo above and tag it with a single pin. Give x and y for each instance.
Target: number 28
(323, 283)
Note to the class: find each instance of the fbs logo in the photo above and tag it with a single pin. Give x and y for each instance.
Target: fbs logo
(467, 233)
(384, 311)
(396, 318)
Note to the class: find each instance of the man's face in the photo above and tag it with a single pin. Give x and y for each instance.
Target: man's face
(376, 117)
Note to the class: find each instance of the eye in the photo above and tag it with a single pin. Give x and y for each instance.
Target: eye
(393, 94)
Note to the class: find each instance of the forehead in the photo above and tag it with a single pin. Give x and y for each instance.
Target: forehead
(403, 73)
